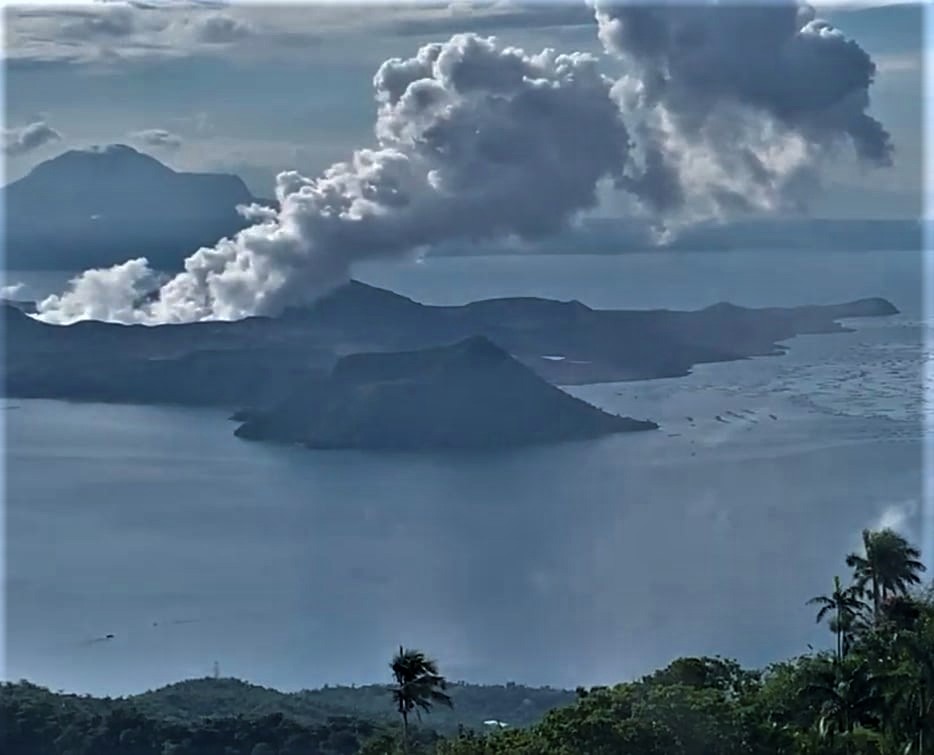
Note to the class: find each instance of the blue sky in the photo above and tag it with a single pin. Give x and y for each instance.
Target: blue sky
(258, 89)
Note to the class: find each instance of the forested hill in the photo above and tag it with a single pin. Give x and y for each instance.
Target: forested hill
(191, 700)
(189, 703)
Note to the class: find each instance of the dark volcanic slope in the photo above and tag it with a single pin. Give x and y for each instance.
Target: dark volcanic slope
(468, 395)
(257, 361)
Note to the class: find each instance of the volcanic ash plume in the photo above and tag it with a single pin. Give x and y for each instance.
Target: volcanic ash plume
(475, 141)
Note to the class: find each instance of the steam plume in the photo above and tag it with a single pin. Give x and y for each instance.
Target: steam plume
(729, 109)
(476, 140)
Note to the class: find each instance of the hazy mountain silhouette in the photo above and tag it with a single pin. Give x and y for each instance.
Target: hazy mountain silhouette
(100, 206)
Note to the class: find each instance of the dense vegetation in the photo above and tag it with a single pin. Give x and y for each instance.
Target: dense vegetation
(872, 694)
(190, 701)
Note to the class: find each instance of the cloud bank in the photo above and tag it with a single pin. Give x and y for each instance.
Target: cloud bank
(721, 110)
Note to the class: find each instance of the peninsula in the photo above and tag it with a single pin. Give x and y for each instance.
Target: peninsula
(301, 362)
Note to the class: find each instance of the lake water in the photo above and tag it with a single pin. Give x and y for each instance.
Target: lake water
(582, 563)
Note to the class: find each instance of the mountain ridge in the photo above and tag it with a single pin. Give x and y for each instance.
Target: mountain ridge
(260, 364)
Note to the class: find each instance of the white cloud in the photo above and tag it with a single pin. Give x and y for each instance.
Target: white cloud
(898, 517)
(12, 291)
(114, 32)
(19, 141)
(157, 138)
(898, 63)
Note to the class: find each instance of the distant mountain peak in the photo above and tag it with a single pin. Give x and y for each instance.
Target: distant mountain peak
(100, 157)
(112, 149)
(99, 205)
(354, 298)
(355, 292)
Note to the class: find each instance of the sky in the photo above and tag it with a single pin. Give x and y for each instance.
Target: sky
(257, 89)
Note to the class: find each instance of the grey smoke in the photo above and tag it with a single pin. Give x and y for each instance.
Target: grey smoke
(19, 141)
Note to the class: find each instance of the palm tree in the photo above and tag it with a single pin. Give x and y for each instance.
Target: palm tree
(888, 566)
(418, 686)
(843, 605)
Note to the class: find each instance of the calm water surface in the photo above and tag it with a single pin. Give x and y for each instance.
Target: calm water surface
(577, 564)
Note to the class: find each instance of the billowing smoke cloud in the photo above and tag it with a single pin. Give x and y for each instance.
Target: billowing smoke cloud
(476, 140)
(721, 110)
(735, 106)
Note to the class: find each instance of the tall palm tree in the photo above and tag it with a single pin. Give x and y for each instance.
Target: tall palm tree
(843, 606)
(418, 686)
(888, 566)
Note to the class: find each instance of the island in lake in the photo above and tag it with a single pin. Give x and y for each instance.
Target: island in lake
(471, 394)
(364, 367)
